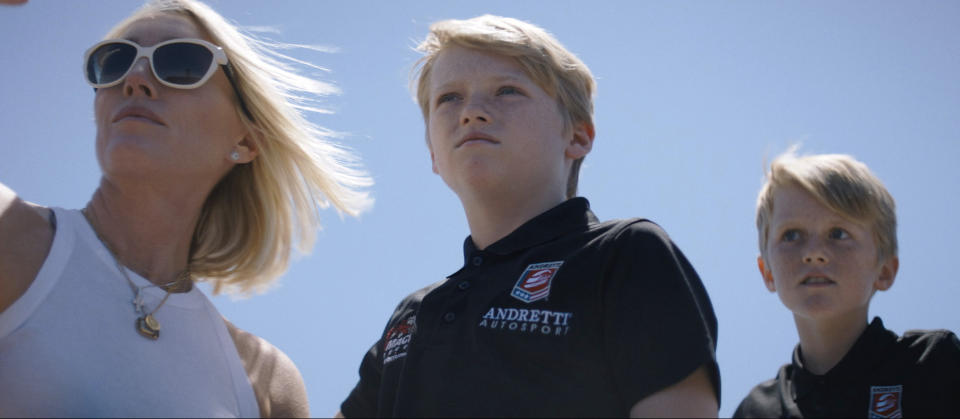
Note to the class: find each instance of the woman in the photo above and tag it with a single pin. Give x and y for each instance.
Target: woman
(210, 173)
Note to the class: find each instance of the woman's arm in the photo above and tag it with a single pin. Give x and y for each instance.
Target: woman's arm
(25, 238)
(277, 383)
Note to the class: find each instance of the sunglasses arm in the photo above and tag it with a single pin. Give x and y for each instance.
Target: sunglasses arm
(228, 71)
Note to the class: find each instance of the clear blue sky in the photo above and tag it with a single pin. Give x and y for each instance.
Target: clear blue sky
(693, 96)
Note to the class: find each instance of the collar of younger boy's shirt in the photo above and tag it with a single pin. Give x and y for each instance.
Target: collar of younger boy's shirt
(869, 349)
(569, 216)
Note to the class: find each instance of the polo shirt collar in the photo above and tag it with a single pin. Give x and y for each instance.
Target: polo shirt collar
(866, 352)
(571, 215)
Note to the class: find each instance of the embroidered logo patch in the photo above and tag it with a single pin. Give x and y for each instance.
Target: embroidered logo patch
(885, 401)
(397, 340)
(534, 283)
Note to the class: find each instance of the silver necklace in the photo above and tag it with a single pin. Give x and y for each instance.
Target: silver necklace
(146, 324)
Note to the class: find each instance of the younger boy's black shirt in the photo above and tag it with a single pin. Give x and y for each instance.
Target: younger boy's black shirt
(882, 376)
(563, 317)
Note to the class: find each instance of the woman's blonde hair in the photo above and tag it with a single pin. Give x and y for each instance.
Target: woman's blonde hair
(555, 69)
(842, 184)
(260, 211)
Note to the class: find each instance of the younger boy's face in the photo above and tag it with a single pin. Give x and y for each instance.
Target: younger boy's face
(821, 264)
(493, 128)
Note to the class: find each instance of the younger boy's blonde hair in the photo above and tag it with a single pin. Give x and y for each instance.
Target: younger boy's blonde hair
(551, 66)
(840, 183)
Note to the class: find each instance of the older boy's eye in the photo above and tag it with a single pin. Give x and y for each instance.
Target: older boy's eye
(446, 97)
(838, 234)
(790, 235)
(508, 90)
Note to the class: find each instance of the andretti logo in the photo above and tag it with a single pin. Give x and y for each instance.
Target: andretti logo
(885, 401)
(534, 283)
(521, 320)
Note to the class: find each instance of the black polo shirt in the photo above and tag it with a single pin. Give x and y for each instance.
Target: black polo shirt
(882, 376)
(563, 317)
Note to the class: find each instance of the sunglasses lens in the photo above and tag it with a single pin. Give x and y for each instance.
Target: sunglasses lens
(182, 63)
(110, 62)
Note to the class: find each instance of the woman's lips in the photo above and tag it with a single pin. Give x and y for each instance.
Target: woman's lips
(137, 114)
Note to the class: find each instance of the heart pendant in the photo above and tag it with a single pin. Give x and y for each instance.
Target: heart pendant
(148, 327)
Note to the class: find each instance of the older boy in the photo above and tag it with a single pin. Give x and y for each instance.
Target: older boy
(828, 242)
(553, 313)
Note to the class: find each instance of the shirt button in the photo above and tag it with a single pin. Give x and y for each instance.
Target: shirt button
(477, 261)
(463, 285)
(449, 317)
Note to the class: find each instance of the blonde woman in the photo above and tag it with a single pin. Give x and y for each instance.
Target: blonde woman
(210, 173)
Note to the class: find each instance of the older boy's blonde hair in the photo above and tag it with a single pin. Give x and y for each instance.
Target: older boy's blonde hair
(839, 182)
(555, 70)
(260, 211)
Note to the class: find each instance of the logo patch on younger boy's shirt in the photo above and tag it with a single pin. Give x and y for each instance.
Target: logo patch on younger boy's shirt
(885, 401)
(534, 283)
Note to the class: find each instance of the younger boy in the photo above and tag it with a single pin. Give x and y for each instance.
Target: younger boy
(828, 242)
(553, 312)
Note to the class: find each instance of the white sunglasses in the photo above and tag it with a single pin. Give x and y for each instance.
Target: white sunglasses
(182, 63)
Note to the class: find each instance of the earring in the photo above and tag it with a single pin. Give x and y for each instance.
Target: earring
(234, 155)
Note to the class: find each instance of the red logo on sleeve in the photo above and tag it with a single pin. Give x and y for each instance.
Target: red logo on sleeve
(397, 340)
(534, 283)
(885, 401)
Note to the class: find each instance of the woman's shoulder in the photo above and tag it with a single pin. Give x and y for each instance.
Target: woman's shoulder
(277, 383)
(26, 234)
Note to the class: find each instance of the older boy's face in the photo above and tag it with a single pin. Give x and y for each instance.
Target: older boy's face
(492, 128)
(819, 263)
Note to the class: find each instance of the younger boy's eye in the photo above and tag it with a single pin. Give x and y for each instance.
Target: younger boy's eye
(508, 90)
(790, 235)
(838, 234)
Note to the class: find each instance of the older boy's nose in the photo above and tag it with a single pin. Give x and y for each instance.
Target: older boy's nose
(475, 111)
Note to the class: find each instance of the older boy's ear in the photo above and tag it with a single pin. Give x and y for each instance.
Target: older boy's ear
(766, 274)
(581, 141)
(888, 272)
(433, 158)
(433, 161)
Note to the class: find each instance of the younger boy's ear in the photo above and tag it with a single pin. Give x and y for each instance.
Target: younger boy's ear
(581, 142)
(888, 272)
(767, 275)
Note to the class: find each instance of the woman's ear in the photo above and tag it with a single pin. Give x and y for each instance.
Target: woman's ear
(245, 151)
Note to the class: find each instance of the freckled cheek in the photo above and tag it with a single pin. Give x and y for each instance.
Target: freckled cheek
(785, 268)
(437, 131)
(443, 118)
(784, 258)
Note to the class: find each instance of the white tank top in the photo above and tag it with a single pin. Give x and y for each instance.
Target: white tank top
(69, 346)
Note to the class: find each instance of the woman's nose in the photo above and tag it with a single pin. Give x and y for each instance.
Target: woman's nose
(140, 80)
